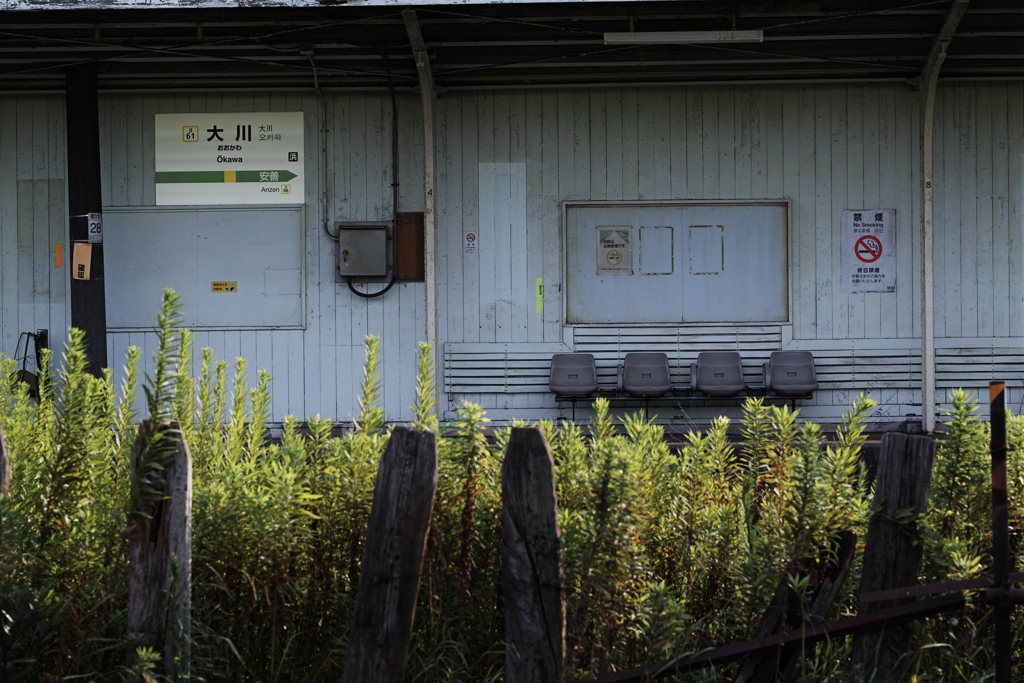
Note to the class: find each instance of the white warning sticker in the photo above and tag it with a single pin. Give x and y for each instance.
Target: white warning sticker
(615, 250)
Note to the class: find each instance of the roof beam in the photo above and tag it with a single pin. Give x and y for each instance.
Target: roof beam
(942, 39)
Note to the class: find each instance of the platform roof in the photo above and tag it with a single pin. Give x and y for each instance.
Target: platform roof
(212, 44)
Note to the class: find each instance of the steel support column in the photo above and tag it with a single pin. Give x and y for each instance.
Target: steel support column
(427, 96)
(929, 81)
(88, 297)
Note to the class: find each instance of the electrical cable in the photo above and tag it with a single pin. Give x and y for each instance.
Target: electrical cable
(323, 149)
(394, 191)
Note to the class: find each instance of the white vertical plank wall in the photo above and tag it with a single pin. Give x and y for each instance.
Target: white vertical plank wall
(824, 147)
(33, 291)
(509, 159)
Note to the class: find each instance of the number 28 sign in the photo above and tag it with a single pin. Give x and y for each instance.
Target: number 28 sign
(95, 228)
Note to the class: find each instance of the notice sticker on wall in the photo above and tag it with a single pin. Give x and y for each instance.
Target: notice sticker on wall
(81, 260)
(869, 250)
(470, 242)
(224, 286)
(615, 250)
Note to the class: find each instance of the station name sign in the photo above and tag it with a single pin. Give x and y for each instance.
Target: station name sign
(229, 158)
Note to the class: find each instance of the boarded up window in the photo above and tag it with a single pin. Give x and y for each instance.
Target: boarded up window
(733, 264)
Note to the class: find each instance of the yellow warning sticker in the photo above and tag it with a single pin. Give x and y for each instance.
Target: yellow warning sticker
(223, 286)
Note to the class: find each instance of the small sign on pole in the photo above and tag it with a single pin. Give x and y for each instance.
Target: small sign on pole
(868, 246)
(95, 228)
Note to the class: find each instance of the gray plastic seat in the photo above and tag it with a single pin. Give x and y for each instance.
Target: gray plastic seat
(573, 374)
(718, 373)
(645, 374)
(790, 373)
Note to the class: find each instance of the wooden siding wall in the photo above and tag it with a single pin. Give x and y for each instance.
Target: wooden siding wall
(33, 219)
(316, 370)
(507, 161)
(825, 147)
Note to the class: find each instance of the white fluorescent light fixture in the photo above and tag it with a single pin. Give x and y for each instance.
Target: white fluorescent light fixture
(682, 37)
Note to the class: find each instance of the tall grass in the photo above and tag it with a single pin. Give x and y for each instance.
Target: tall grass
(664, 552)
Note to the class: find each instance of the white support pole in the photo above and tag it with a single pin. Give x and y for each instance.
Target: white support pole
(929, 81)
(427, 96)
(928, 248)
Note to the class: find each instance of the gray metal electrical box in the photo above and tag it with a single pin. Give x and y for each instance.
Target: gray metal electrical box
(363, 251)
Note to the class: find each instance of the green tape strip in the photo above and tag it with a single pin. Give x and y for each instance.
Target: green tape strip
(540, 295)
(218, 176)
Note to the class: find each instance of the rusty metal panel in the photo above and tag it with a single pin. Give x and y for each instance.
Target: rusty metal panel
(410, 247)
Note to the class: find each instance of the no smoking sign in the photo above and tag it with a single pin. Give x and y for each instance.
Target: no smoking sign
(868, 248)
(470, 242)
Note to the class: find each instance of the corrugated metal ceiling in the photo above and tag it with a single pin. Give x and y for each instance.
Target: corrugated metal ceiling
(495, 45)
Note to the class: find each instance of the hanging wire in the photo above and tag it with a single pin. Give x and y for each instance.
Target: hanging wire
(394, 191)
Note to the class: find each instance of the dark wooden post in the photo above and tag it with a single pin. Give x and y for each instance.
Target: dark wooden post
(5, 465)
(160, 534)
(893, 552)
(1000, 532)
(88, 303)
(396, 540)
(531, 559)
(785, 613)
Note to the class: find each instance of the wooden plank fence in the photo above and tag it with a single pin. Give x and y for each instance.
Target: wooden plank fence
(893, 552)
(160, 556)
(396, 540)
(531, 559)
(382, 622)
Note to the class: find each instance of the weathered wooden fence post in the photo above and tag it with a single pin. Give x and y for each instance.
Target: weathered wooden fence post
(531, 558)
(5, 466)
(160, 557)
(893, 552)
(396, 540)
(785, 613)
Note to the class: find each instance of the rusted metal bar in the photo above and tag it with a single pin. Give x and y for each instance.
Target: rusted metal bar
(1000, 597)
(932, 588)
(5, 466)
(813, 634)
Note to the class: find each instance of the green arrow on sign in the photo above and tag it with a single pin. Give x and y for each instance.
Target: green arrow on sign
(224, 176)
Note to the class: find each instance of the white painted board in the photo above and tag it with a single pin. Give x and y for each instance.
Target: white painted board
(235, 268)
(692, 263)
